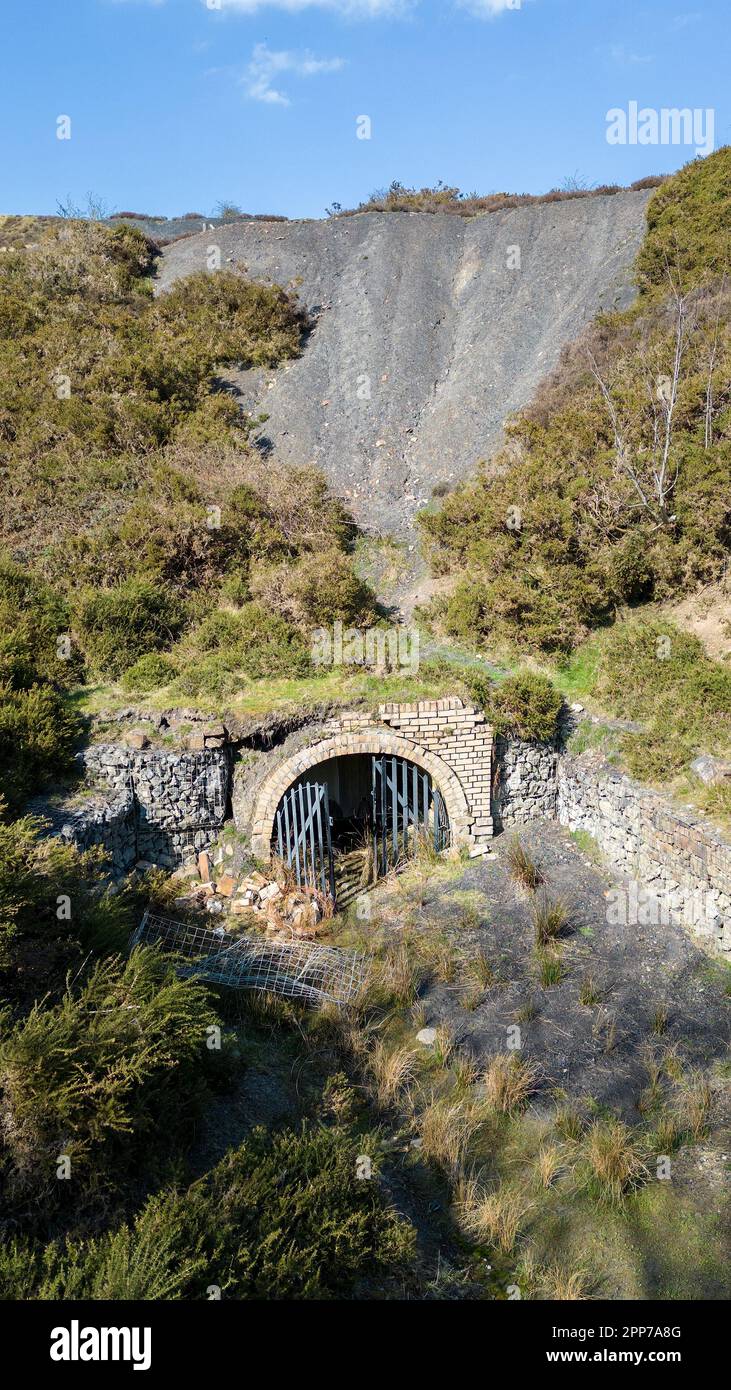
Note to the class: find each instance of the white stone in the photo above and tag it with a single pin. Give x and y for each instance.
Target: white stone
(427, 1036)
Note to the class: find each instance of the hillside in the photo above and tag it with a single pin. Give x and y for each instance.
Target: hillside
(422, 310)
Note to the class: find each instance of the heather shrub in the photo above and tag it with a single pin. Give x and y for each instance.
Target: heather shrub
(148, 672)
(284, 1216)
(54, 907)
(38, 731)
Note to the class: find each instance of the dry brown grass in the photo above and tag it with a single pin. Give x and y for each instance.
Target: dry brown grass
(565, 1286)
(509, 1082)
(615, 1160)
(522, 868)
(446, 1129)
(550, 1163)
(392, 1071)
(495, 1217)
(694, 1103)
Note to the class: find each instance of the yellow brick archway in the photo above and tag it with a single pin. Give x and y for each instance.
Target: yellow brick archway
(344, 745)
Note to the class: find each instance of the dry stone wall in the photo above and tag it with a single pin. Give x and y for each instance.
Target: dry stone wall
(524, 782)
(682, 862)
(109, 823)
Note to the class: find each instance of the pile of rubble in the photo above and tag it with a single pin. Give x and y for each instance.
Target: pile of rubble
(277, 909)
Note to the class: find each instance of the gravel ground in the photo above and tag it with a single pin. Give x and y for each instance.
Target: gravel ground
(422, 312)
(637, 969)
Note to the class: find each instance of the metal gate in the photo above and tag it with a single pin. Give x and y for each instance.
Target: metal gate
(406, 806)
(303, 835)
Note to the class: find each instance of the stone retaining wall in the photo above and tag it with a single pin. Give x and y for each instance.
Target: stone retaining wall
(671, 854)
(109, 823)
(178, 801)
(524, 782)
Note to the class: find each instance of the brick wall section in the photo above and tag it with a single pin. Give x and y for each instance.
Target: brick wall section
(450, 740)
(459, 735)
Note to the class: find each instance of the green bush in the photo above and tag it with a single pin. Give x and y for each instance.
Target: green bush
(54, 907)
(37, 735)
(525, 705)
(148, 672)
(250, 643)
(652, 671)
(689, 225)
(114, 1071)
(282, 1217)
(32, 620)
(118, 626)
(317, 590)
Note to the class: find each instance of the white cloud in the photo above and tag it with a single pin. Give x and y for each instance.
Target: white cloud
(267, 63)
(489, 9)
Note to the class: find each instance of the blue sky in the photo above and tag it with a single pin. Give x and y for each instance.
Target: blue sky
(175, 105)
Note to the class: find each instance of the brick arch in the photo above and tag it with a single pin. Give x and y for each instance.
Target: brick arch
(347, 745)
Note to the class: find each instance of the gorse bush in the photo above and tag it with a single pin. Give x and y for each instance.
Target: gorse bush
(118, 626)
(37, 662)
(113, 1070)
(54, 907)
(282, 1217)
(689, 225)
(526, 705)
(615, 485)
(651, 670)
(128, 484)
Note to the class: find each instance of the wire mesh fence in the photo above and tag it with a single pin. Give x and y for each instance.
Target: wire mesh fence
(294, 970)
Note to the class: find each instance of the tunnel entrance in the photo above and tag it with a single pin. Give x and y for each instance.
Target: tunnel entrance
(350, 819)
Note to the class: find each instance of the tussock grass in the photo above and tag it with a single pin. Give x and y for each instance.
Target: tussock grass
(566, 1285)
(392, 1071)
(614, 1159)
(694, 1103)
(495, 1217)
(550, 1163)
(479, 970)
(446, 1129)
(522, 868)
(509, 1082)
(568, 1122)
(550, 919)
(550, 964)
(589, 992)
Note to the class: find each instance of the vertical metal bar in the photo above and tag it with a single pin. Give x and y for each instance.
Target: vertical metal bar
(331, 866)
(394, 810)
(384, 816)
(436, 820)
(287, 830)
(302, 833)
(415, 806)
(374, 815)
(425, 794)
(311, 833)
(405, 810)
(295, 828)
(319, 789)
(280, 849)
